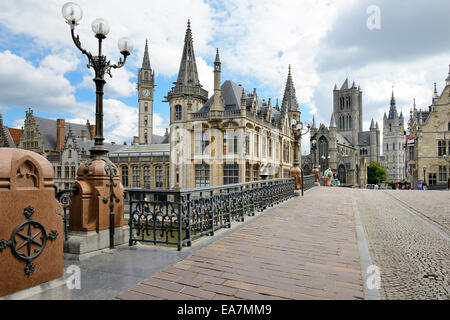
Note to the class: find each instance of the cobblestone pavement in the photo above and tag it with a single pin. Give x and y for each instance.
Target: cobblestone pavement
(434, 206)
(304, 249)
(413, 255)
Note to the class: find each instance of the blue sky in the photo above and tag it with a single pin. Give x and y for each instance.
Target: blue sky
(324, 41)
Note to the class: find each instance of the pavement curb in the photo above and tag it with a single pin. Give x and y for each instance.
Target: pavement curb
(364, 253)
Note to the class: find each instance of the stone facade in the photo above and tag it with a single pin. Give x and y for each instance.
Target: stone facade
(428, 146)
(343, 146)
(66, 145)
(393, 159)
(232, 137)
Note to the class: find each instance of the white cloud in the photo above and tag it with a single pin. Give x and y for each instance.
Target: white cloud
(61, 63)
(23, 85)
(120, 85)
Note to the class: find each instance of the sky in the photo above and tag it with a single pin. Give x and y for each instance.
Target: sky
(379, 44)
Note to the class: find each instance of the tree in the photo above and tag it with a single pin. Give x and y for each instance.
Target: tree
(375, 173)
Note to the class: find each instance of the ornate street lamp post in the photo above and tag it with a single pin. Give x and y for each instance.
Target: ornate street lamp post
(73, 14)
(101, 65)
(298, 131)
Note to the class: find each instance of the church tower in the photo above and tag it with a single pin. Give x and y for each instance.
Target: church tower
(347, 109)
(186, 96)
(393, 142)
(146, 85)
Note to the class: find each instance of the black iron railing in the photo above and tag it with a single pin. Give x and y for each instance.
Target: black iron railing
(308, 182)
(177, 217)
(63, 197)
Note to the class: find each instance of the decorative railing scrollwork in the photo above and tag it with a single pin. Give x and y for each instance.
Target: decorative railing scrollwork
(177, 217)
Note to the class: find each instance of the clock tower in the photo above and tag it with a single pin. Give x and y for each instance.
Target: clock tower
(146, 84)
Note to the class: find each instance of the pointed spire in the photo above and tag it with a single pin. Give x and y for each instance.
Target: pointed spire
(414, 104)
(217, 56)
(277, 106)
(332, 122)
(377, 127)
(313, 122)
(345, 84)
(335, 87)
(188, 82)
(289, 102)
(353, 84)
(146, 60)
(435, 94)
(393, 109)
(372, 125)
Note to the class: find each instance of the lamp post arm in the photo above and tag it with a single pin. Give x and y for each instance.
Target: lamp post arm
(119, 65)
(76, 40)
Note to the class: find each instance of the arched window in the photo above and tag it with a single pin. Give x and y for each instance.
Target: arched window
(349, 122)
(178, 110)
(342, 176)
(159, 176)
(145, 75)
(147, 177)
(306, 170)
(255, 172)
(125, 176)
(136, 176)
(323, 152)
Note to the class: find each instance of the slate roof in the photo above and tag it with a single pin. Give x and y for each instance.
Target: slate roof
(231, 94)
(47, 128)
(142, 150)
(364, 138)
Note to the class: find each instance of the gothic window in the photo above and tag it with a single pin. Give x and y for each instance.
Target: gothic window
(66, 171)
(264, 143)
(341, 174)
(136, 176)
(441, 148)
(247, 172)
(230, 145)
(442, 173)
(256, 151)
(390, 127)
(146, 75)
(349, 122)
(230, 173)
(58, 171)
(387, 147)
(145, 122)
(147, 177)
(201, 175)
(255, 172)
(178, 112)
(73, 171)
(159, 176)
(247, 144)
(146, 107)
(270, 147)
(323, 152)
(393, 146)
(201, 141)
(125, 176)
(70, 152)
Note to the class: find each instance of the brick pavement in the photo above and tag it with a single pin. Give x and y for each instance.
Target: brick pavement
(296, 251)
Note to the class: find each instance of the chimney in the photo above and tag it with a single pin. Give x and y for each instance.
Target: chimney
(84, 135)
(92, 128)
(60, 133)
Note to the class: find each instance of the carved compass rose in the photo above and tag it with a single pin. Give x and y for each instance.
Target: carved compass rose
(28, 240)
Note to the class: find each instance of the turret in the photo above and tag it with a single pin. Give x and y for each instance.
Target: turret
(217, 104)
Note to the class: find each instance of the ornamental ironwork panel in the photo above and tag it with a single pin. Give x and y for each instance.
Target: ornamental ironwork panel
(34, 239)
(177, 217)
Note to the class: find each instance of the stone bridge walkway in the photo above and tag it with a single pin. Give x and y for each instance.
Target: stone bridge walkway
(306, 248)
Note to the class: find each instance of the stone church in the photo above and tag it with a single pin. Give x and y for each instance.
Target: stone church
(393, 159)
(343, 146)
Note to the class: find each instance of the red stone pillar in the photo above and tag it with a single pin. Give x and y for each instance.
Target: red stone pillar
(31, 229)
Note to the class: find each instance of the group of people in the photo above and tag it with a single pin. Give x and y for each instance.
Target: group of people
(330, 179)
